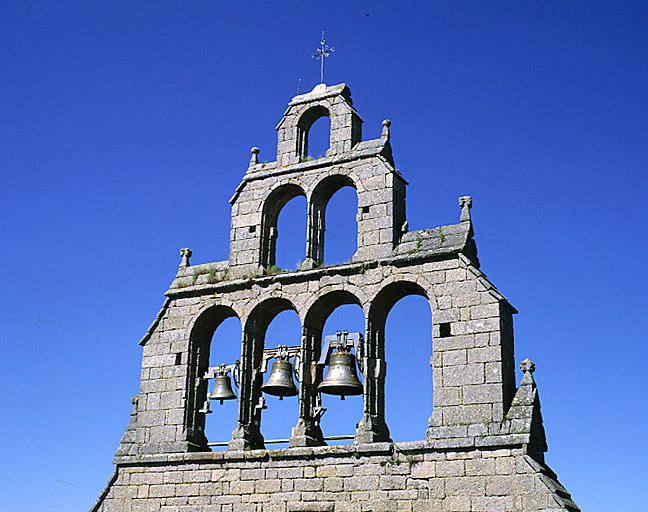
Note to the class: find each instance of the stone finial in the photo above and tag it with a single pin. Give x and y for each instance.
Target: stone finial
(385, 130)
(134, 401)
(185, 252)
(465, 202)
(255, 155)
(528, 367)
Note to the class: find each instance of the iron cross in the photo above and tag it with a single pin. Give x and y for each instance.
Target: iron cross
(321, 53)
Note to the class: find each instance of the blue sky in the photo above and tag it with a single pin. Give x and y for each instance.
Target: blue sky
(126, 127)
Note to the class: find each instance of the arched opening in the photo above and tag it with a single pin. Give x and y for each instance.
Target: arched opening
(408, 384)
(273, 206)
(319, 138)
(252, 410)
(334, 207)
(291, 225)
(315, 142)
(400, 325)
(341, 416)
(281, 415)
(225, 349)
(341, 234)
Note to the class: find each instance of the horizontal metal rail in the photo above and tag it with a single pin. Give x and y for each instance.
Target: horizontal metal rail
(275, 441)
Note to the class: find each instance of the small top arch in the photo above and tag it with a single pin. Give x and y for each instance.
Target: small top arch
(334, 102)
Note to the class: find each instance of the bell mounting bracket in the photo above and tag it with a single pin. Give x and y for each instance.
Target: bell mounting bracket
(281, 352)
(225, 369)
(342, 341)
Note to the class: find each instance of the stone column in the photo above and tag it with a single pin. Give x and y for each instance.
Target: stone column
(307, 432)
(316, 226)
(248, 431)
(372, 428)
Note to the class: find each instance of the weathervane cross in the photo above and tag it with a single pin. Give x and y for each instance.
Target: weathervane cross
(322, 52)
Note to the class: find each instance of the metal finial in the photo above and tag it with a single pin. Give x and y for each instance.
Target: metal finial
(321, 53)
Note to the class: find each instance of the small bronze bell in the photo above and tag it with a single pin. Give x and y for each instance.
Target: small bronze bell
(222, 389)
(280, 382)
(341, 379)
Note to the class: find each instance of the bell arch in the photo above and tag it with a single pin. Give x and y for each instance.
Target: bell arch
(308, 432)
(272, 206)
(200, 341)
(373, 427)
(306, 121)
(408, 349)
(319, 199)
(282, 412)
(248, 432)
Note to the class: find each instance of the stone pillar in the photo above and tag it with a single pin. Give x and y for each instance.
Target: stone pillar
(307, 432)
(372, 428)
(248, 431)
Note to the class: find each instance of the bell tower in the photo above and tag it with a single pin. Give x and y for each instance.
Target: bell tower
(485, 442)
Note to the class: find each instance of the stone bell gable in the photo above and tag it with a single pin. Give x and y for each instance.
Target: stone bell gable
(485, 441)
(365, 166)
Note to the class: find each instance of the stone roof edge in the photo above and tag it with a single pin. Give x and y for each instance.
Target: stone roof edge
(155, 323)
(105, 491)
(481, 277)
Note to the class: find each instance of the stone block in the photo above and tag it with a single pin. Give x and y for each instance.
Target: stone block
(241, 487)
(267, 486)
(482, 394)
(450, 468)
(308, 484)
(467, 414)
(456, 504)
(162, 491)
(455, 357)
(389, 482)
(469, 485)
(362, 483)
(463, 375)
(333, 484)
(480, 467)
(485, 354)
(423, 469)
(500, 486)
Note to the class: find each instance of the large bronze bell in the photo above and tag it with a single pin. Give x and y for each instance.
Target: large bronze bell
(222, 389)
(280, 382)
(341, 379)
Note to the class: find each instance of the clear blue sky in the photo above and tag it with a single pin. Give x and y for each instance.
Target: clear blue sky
(126, 126)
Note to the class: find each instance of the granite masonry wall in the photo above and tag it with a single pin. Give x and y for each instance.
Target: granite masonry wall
(485, 441)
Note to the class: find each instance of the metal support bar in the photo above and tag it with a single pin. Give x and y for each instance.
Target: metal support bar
(277, 441)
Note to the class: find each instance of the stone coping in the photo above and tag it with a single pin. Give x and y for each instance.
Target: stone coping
(363, 149)
(320, 452)
(306, 275)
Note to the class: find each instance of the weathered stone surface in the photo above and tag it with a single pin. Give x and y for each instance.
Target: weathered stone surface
(485, 439)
